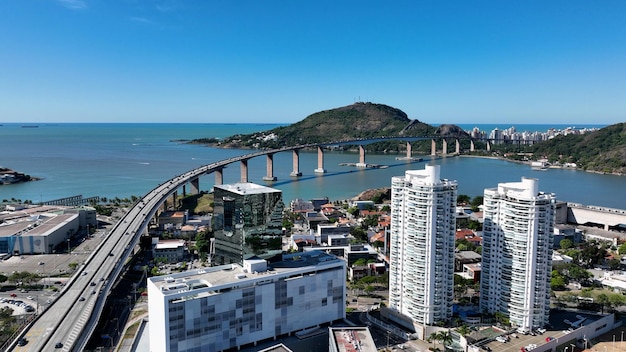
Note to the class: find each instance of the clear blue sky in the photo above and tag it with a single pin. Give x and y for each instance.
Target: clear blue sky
(463, 61)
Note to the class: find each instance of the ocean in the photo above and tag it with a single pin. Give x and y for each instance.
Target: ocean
(122, 160)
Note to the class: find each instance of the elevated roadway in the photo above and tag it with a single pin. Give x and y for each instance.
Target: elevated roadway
(72, 318)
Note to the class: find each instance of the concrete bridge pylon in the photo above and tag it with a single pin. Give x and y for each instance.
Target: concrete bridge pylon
(320, 161)
(361, 163)
(195, 186)
(219, 176)
(269, 165)
(296, 163)
(243, 165)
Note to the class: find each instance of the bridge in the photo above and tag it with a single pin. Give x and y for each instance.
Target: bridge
(69, 322)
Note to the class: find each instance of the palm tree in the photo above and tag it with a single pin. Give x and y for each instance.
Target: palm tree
(445, 337)
(433, 337)
(464, 330)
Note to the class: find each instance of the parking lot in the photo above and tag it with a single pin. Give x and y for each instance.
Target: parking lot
(557, 331)
(54, 270)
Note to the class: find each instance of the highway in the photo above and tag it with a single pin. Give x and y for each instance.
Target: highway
(72, 318)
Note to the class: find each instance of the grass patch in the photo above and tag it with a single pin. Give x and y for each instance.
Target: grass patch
(132, 330)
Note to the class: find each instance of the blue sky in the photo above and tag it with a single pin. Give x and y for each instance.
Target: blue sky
(280, 61)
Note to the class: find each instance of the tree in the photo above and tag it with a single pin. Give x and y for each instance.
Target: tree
(464, 330)
(613, 264)
(433, 337)
(202, 242)
(603, 300)
(445, 337)
(557, 282)
(476, 202)
(622, 249)
(566, 243)
(475, 225)
(462, 199)
(617, 300)
(359, 234)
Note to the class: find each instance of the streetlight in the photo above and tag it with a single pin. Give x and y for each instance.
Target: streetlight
(573, 347)
(68, 246)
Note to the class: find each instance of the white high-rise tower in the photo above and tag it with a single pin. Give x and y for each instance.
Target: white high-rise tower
(517, 252)
(423, 216)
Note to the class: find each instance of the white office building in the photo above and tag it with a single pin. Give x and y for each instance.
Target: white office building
(421, 278)
(229, 306)
(517, 252)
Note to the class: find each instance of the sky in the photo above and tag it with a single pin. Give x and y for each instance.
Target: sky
(213, 61)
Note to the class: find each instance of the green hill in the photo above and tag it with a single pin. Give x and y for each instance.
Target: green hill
(601, 151)
(359, 120)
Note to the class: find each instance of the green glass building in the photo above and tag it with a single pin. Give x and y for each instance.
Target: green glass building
(247, 221)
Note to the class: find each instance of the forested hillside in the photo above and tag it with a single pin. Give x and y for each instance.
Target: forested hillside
(359, 120)
(602, 151)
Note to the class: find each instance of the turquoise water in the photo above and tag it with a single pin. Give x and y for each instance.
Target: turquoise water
(121, 160)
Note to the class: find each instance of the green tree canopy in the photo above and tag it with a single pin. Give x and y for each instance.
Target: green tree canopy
(566, 243)
(463, 199)
(476, 202)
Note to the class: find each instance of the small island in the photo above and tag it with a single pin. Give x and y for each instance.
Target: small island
(9, 176)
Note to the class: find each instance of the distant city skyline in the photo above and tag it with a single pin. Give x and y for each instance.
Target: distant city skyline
(558, 62)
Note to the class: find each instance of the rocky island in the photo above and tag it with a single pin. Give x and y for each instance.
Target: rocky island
(9, 176)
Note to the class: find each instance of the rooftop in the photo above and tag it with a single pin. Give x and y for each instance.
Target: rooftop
(357, 339)
(209, 280)
(170, 244)
(246, 188)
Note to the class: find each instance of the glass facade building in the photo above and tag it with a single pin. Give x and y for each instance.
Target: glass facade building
(247, 221)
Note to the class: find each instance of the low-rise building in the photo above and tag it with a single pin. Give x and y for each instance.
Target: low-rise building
(350, 339)
(465, 257)
(233, 305)
(42, 229)
(170, 251)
